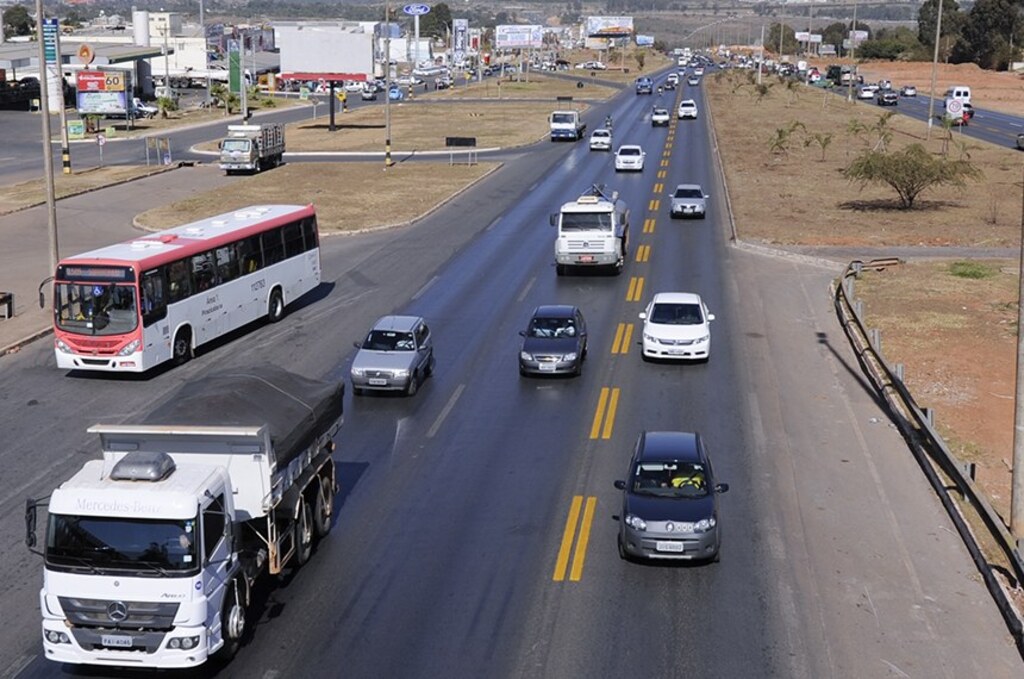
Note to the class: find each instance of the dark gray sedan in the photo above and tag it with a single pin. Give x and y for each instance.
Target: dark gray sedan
(670, 500)
(554, 342)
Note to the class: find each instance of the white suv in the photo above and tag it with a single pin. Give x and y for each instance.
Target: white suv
(677, 326)
(687, 109)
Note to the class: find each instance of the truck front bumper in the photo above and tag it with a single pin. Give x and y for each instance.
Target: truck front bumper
(83, 646)
(587, 258)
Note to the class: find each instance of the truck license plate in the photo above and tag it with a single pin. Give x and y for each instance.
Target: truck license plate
(378, 382)
(116, 640)
(667, 546)
(586, 258)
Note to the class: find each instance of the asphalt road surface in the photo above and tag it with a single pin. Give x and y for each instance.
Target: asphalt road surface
(837, 559)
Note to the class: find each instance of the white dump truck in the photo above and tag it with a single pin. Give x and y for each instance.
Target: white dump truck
(151, 552)
(252, 148)
(593, 231)
(567, 125)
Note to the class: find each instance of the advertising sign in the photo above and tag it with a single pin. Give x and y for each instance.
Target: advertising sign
(612, 27)
(102, 92)
(859, 36)
(460, 32)
(644, 40)
(518, 36)
(417, 9)
(51, 29)
(234, 67)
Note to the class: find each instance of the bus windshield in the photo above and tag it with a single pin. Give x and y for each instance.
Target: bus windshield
(96, 308)
(150, 546)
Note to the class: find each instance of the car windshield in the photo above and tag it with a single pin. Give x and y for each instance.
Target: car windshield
(672, 479)
(689, 193)
(587, 221)
(627, 151)
(660, 112)
(676, 313)
(103, 542)
(389, 340)
(552, 327)
(96, 309)
(561, 118)
(602, 133)
(235, 145)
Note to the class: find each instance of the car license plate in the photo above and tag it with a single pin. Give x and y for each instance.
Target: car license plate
(547, 366)
(668, 546)
(676, 352)
(586, 258)
(378, 382)
(116, 640)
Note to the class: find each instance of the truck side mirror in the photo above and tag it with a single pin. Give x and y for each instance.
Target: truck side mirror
(30, 523)
(552, 220)
(220, 145)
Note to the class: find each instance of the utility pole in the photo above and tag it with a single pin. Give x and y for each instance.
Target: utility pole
(44, 109)
(387, 85)
(935, 70)
(760, 65)
(853, 56)
(1017, 473)
(206, 53)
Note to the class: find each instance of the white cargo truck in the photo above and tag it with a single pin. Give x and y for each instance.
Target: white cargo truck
(252, 148)
(151, 552)
(593, 231)
(567, 125)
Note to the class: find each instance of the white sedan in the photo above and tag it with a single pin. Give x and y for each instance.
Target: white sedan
(629, 157)
(601, 140)
(660, 117)
(687, 109)
(677, 326)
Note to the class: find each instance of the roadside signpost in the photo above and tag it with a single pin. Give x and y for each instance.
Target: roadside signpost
(416, 10)
(101, 141)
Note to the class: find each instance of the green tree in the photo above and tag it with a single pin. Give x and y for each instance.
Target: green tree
(910, 171)
(952, 20)
(437, 23)
(821, 140)
(789, 43)
(17, 21)
(991, 34)
(641, 59)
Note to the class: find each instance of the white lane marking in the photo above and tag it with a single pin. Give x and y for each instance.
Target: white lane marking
(271, 674)
(494, 223)
(756, 424)
(533, 186)
(15, 668)
(444, 413)
(526, 289)
(424, 288)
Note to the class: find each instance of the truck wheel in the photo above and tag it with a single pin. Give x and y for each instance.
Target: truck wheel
(324, 507)
(232, 623)
(303, 534)
(275, 309)
(181, 349)
(559, 269)
(257, 167)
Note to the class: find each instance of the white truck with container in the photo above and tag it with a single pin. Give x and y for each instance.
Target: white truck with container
(152, 552)
(252, 148)
(593, 231)
(567, 125)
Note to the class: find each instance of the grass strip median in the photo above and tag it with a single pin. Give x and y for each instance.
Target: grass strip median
(33, 192)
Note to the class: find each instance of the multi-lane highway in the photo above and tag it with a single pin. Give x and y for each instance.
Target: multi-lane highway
(475, 530)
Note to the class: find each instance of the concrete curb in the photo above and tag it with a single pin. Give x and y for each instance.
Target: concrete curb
(363, 154)
(13, 347)
(768, 251)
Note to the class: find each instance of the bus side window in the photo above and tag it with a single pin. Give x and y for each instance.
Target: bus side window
(203, 273)
(249, 255)
(273, 247)
(154, 301)
(293, 240)
(309, 234)
(227, 263)
(179, 282)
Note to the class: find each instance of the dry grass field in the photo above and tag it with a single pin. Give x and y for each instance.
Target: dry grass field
(33, 192)
(534, 85)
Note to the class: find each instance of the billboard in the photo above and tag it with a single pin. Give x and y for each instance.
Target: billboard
(102, 92)
(644, 40)
(326, 49)
(609, 27)
(460, 34)
(518, 36)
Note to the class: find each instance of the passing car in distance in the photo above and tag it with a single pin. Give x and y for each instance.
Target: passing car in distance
(671, 81)
(687, 109)
(644, 85)
(601, 140)
(698, 71)
(670, 499)
(554, 342)
(1020, 141)
(629, 157)
(368, 93)
(887, 98)
(688, 201)
(867, 92)
(677, 326)
(908, 91)
(693, 81)
(660, 117)
(397, 355)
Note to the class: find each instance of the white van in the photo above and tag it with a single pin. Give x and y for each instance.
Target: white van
(961, 92)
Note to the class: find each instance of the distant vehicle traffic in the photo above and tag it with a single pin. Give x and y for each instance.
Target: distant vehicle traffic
(601, 140)
(688, 200)
(887, 98)
(396, 355)
(132, 306)
(554, 342)
(908, 91)
(644, 85)
(593, 231)
(629, 157)
(670, 499)
(252, 148)
(687, 109)
(566, 125)
(693, 81)
(660, 117)
(677, 326)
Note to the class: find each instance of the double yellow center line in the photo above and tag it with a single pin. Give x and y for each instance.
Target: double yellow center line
(636, 289)
(604, 415)
(570, 535)
(623, 335)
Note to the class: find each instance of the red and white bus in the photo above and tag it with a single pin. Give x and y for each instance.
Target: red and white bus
(134, 305)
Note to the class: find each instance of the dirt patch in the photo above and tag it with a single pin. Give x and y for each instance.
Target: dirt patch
(526, 86)
(33, 192)
(957, 338)
(371, 198)
(795, 194)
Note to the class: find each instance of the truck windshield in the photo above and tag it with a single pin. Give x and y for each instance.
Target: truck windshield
(148, 546)
(235, 145)
(562, 118)
(587, 221)
(96, 308)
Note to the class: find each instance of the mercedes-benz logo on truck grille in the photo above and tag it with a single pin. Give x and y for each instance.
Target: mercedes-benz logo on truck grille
(117, 611)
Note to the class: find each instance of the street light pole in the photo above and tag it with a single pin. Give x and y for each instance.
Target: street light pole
(1017, 472)
(44, 109)
(206, 53)
(387, 85)
(935, 68)
(853, 56)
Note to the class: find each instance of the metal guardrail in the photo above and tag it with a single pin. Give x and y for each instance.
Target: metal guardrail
(931, 451)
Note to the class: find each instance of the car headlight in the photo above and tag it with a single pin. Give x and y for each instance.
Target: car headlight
(525, 356)
(650, 338)
(571, 356)
(704, 525)
(63, 347)
(702, 338)
(130, 348)
(635, 522)
(183, 643)
(358, 372)
(401, 373)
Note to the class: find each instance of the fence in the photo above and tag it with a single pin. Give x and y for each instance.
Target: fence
(952, 479)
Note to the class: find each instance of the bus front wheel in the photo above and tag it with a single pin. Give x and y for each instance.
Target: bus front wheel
(275, 311)
(182, 347)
